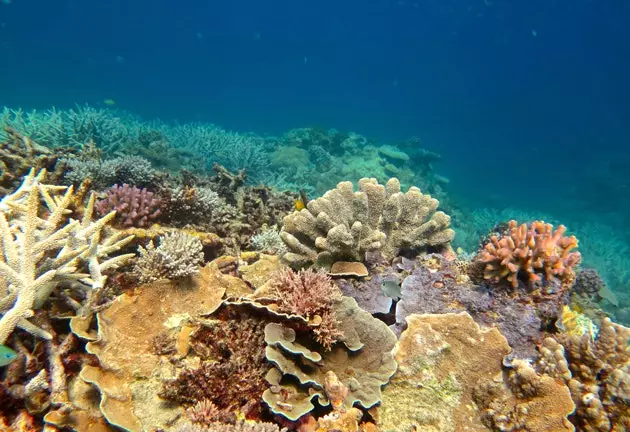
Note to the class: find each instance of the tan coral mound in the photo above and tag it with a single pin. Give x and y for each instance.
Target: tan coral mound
(130, 372)
(441, 358)
(599, 377)
(343, 224)
(526, 402)
(529, 251)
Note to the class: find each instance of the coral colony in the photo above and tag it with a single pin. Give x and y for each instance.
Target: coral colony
(183, 287)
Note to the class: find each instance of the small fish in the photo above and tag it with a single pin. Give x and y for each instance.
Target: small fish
(109, 102)
(299, 204)
(534, 32)
(7, 355)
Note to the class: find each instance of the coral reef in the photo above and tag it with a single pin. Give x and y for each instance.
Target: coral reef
(177, 256)
(18, 155)
(441, 359)
(343, 225)
(531, 253)
(526, 401)
(311, 295)
(43, 250)
(599, 377)
(134, 207)
(132, 170)
(362, 362)
(230, 351)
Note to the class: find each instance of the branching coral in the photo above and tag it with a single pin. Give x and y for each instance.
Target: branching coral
(134, 207)
(529, 252)
(178, 256)
(599, 377)
(343, 225)
(311, 295)
(42, 249)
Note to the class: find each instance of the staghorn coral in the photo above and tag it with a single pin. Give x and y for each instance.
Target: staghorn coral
(525, 401)
(362, 362)
(18, 155)
(529, 252)
(42, 249)
(268, 241)
(177, 256)
(134, 207)
(311, 295)
(343, 225)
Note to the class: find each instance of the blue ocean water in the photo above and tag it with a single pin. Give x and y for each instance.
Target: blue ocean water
(526, 101)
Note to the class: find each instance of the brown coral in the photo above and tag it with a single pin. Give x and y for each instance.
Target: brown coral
(600, 382)
(529, 251)
(311, 295)
(526, 402)
(343, 224)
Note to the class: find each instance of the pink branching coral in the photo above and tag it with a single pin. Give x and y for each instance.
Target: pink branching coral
(529, 251)
(134, 207)
(310, 294)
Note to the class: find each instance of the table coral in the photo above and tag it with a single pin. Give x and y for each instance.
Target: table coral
(343, 224)
(129, 372)
(362, 361)
(531, 252)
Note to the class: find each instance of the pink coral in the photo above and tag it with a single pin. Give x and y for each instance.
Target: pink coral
(134, 207)
(529, 251)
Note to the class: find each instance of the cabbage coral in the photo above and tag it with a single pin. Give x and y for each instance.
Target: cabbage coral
(529, 251)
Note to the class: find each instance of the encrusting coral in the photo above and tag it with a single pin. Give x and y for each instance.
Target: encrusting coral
(43, 249)
(177, 256)
(531, 252)
(343, 224)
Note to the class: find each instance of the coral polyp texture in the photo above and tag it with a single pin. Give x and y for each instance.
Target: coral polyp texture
(43, 249)
(134, 207)
(344, 224)
(536, 253)
(177, 256)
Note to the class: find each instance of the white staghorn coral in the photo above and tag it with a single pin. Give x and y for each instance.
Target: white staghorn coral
(43, 249)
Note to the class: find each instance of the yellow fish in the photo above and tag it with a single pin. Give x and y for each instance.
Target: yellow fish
(299, 204)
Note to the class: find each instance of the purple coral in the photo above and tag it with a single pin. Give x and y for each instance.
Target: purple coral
(134, 207)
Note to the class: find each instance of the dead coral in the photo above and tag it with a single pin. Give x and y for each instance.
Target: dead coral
(311, 295)
(343, 224)
(531, 252)
(240, 426)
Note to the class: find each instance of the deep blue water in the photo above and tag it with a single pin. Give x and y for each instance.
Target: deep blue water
(528, 101)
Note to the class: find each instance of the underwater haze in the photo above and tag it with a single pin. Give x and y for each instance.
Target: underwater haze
(308, 216)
